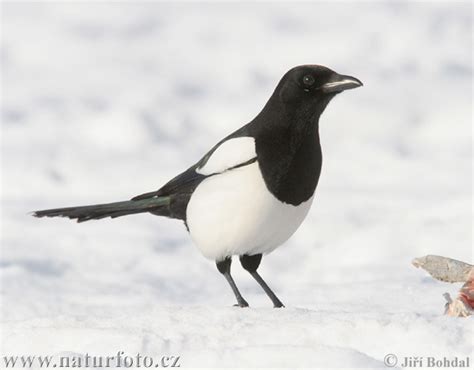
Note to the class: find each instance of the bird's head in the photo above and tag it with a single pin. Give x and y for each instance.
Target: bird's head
(311, 87)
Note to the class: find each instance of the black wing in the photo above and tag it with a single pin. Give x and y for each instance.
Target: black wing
(185, 183)
(178, 191)
(180, 188)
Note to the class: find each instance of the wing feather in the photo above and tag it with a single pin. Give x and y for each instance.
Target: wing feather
(225, 156)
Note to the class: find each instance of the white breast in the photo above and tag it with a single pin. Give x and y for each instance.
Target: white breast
(233, 213)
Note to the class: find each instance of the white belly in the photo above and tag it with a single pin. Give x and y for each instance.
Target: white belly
(233, 213)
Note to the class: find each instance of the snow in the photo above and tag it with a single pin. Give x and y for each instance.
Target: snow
(105, 101)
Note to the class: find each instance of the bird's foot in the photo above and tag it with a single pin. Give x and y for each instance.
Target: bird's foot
(241, 303)
(278, 304)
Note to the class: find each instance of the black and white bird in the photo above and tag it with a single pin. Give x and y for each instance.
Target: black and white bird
(254, 188)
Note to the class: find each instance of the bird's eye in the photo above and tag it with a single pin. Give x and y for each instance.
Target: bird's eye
(308, 80)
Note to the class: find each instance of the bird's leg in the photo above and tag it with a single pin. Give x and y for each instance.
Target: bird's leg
(251, 263)
(224, 268)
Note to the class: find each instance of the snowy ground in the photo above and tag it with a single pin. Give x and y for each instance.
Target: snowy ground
(103, 102)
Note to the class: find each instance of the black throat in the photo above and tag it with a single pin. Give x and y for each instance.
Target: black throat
(288, 150)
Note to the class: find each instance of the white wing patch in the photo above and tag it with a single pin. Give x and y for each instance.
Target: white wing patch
(229, 154)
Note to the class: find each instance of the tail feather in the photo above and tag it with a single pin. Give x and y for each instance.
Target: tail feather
(99, 211)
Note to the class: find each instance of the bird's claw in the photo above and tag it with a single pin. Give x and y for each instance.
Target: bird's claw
(241, 304)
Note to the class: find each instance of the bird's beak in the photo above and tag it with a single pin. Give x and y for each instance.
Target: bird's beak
(338, 83)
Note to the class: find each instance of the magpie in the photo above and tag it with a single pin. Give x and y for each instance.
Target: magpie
(254, 188)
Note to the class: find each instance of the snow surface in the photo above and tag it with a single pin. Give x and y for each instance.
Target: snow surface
(105, 101)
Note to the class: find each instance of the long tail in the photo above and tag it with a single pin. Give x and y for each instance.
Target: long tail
(98, 211)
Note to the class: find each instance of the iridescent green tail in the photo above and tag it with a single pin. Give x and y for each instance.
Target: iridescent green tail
(98, 211)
